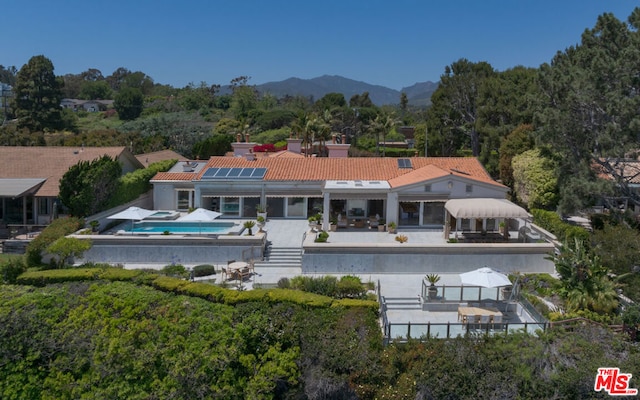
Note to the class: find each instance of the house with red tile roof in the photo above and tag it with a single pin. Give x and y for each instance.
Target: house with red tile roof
(409, 191)
(30, 178)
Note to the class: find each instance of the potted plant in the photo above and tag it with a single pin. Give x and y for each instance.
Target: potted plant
(262, 211)
(391, 227)
(381, 225)
(433, 290)
(95, 225)
(334, 224)
(261, 221)
(249, 225)
(314, 220)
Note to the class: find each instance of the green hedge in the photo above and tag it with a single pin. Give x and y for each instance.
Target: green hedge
(204, 270)
(136, 183)
(58, 228)
(566, 233)
(180, 286)
(47, 277)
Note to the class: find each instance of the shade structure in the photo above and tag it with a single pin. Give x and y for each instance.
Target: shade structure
(132, 213)
(485, 277)
(484, 208)
(200, 215)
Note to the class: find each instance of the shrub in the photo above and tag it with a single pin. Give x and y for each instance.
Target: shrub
(175, 270)
(565, 232)
(120, 274)
(204, 270)
(58, 228)
(350, 286)
(298, 297)
(11, 268)
(284, 283)
(42, 278)
(402, 238)
(322, 237)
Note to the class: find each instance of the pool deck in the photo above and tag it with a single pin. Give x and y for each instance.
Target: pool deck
(288, 233)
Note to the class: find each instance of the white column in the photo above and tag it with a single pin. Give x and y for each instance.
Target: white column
(392, 207)
(197, 201)
(326, 204)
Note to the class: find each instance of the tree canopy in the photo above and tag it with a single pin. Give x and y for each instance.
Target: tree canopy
(88, 186)
(37, 95)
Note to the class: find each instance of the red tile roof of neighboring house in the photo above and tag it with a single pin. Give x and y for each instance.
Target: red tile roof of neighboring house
(50, 162)
(321, 169)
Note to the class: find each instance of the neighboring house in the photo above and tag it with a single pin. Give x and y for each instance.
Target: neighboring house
(625, 173)
(147, 159)
(408, 191)
(86, 105)
(30, 178)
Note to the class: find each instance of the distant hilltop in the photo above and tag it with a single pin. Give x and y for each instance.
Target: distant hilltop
(418, 94)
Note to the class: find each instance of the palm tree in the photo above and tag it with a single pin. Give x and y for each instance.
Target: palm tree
(586, 284)
(301, 127)
(382, 124)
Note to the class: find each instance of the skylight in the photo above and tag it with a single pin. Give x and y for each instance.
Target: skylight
(404, 163)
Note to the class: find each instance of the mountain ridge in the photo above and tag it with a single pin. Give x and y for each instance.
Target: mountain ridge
(418, 94)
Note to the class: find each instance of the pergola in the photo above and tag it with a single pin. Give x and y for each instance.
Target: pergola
(481, 209)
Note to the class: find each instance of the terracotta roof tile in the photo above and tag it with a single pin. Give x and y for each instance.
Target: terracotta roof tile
(322, 169)
(48, 162)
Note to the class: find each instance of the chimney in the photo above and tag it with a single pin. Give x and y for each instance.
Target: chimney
(238, 137)
(338, 150)
(294, 145)
(333, 139)
(240, 149)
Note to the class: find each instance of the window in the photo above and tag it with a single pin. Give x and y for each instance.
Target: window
(230, 205)
(427, 188)
(295, 207)
(185, 199)
(469, 189)
(43, 206)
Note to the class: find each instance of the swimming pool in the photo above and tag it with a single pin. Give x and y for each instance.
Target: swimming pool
(185, 227)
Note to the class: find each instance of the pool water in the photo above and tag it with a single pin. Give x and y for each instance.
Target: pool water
(183, 227)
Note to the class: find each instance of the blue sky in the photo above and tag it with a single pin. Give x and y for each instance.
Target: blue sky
(393, 43)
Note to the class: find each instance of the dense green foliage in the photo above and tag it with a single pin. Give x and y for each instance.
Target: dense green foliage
(56, 229)
(535, 180)
(37, 96)
(105, 339)
(565, 232)
(87, 187)
(136, 183)
(128, 103)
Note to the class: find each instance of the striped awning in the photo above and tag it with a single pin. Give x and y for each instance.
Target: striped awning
(484, 208)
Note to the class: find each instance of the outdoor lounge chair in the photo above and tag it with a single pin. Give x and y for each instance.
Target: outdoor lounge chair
(373, 222)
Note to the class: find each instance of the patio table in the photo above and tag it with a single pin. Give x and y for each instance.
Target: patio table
(238, 269)
(465, 311)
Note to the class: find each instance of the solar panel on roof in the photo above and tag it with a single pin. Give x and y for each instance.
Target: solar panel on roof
(222, 172)
(209, 173)
(259, 173)
(234, 173)
(246, 173)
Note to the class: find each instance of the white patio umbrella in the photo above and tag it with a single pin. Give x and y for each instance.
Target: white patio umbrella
(133, 214)
(200, 215)
(485, 277)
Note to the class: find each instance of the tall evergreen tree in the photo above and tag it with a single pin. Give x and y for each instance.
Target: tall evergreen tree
(38, 93)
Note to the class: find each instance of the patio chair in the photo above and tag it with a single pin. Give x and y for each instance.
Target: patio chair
(224, 273)
(373, 222)
(497, 322)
